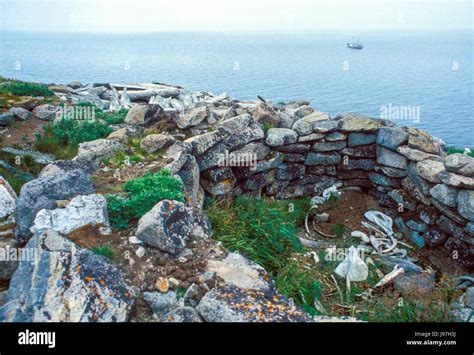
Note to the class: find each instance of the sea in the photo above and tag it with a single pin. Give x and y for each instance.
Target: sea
(415, 78)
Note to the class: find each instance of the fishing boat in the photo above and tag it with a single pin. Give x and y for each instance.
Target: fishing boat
(355, 45)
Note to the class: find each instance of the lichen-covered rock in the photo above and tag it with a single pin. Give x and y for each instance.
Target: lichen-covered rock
(20, 113)
(97, 150)
(183, 315)
(192, 117)
(155, 142)
(8, 246)
(310, 137)
(66, 283)
(456, 180)
(281, 136)
(201, 143)
(214, 157)
(391, 137)
(383, 180)
(82, 211)
(304, 126)
(445, 194)
(265, 114)
(257, 150)
(465, 201)
(429, 170)
(233, 304)
(415, 284)
(365, 151)
(460, 163)
(421, 140)
(416, 155)
(176, 156)
(219, 189)
(236, 270)
(253, 132)
(290, 171)
(46, 112)
(7, 199)
(159, 302)
(423, 185)
(42, 193)
(390, 158)
(354, 122)
(357, 164)
(169, 225)
(189, 175)
(145, 115)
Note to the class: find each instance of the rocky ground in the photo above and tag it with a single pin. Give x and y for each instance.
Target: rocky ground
(166, 264)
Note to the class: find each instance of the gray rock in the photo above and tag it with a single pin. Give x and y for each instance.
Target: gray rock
(260, 180)
(310, 137)
(354, 122)
(160, 303)
(268, 164)
(298, 148)
(176, 156)
(20, 113)
(154, 142)
(281, 136)
(417, 155)
(226, 304)
(383, 180)
(192, 117)
(328, 146)
(183, 315)
(6, 118)
(46, 112)
(75, 85)
(216, 156)
(325, 126)
(335, 136)
(201, 143)
(357, 164)
(63, 166)
(392, 172)
(402, 198)
(456, 180)
(290, 171)
(445, 194)
(391, 137)
(7, 199)
(236, 270)
(40, 158)
(265, 114)
(322, 158)
(42, 193)
(357, 138)
(429, 170)
(7, 265)
(460, 163)
(389, 158)
(366, 151)
(219, 189)
(66, 283)
(169, 225)
(238, 140)
(235, 124)
(434, 237)
(305, 125)
(421, 140)
(255, 149)
(146, 115)
(469, 297)
(465, 201)
(219, 174)
(95, 151)
(189, 175)
(82, 211)
(423, 185)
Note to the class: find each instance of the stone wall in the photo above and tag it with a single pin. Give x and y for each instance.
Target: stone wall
(430, 194)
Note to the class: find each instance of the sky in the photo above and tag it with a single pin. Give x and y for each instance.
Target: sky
(232, 15)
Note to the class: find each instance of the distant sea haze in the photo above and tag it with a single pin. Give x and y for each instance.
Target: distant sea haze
(422, 79)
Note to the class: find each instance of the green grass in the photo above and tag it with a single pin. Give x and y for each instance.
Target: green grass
(21, 88)
(24, 163)
(339, 229)
(266, 231)
(141, 195)
(266, 127)
(104, 250)
(454, 150)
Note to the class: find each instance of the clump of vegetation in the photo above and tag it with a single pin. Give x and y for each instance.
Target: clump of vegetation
(141, 195)
(104, 250)
(21, 88)
(454, 150)
(266, 231)
(121, 158)
(266, 127)
(339, 229)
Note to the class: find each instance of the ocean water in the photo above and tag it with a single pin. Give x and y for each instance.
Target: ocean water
(425, 76)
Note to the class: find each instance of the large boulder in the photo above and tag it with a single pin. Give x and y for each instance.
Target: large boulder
(42, 193)
(354, 122)
(421, 140)
(189, 175)
(234, 304)
(445, 194)
(192, 117)
(416, 155)
(456, 180)
(355, 139)
(169, 225)
(176, 156)
(429, 170)
(66, 283)
(265, 114)
(203, 142)
(20, 113)
(82, 211)
(7, 199)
